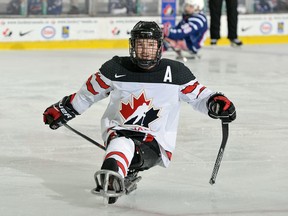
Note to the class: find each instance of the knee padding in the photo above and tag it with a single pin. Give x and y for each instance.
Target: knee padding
(146, 156)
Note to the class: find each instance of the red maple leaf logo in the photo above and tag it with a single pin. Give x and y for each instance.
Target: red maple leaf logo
(139, 111)
(129, 108)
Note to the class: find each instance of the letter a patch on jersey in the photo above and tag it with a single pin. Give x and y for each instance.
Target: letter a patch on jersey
(139, 111)
(168, 75)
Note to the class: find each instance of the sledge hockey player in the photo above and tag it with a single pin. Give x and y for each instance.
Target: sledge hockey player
(139, 126)
(190, 33)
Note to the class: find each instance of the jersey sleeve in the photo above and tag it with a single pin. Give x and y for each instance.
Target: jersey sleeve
(196, 95)
(94, 89)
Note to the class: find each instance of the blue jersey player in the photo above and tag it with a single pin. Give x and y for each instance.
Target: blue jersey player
(190, 33)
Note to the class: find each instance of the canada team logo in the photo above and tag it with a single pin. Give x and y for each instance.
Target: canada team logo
(168, 10)
(115, 31)
(7, 32)
(139, 111)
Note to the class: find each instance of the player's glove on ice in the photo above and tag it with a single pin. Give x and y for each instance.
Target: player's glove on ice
(220, 107)
(59, 113)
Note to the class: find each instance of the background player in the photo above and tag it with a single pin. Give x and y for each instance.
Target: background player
(190, 33)
(139, 126)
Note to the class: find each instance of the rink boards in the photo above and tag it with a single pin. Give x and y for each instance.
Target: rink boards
(113, 32)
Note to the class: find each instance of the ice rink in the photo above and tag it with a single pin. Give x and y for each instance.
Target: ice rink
(50, 173)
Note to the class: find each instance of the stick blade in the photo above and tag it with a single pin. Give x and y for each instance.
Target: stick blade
(212, 181)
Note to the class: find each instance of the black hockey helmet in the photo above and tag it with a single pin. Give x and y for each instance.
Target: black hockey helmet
(146, 30)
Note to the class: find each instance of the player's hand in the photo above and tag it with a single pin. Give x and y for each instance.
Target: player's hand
(220, 107)
(166, 29)
(59, 113)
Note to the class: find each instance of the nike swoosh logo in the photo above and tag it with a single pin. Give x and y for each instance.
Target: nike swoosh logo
(120, 75)
(24, 33)
(243, 29)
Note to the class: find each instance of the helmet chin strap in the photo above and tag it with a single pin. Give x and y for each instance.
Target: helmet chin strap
(146, 64)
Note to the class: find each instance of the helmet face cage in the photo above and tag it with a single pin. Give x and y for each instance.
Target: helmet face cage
(145, 44)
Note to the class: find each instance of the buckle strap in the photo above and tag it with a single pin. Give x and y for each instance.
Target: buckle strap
(142, 137)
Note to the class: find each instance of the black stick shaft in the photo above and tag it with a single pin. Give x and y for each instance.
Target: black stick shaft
(85, 137)
(225, 133)
(50, 119)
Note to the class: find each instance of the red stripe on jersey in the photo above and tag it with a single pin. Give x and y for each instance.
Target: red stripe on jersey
(120, 154)
(121, 167)
(190, 88)
(169, 155)
(101, 83)
(201, 90)
(90, 87)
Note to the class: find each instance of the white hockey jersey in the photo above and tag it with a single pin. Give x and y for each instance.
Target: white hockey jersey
(143, 101)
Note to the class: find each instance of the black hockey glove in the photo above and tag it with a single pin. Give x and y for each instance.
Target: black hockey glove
(59, 113)
(220, 107)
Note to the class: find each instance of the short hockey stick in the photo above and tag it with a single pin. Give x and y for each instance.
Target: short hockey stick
(85, 137)
(50, 119)
(225, 133)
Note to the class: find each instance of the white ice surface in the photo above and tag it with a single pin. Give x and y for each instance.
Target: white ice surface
(45, 172)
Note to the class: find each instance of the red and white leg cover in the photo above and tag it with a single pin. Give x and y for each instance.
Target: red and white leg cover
(122, 150)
